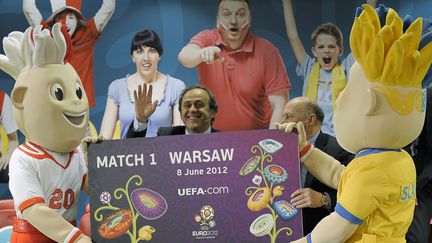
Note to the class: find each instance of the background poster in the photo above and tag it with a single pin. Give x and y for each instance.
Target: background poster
(196, 188)
(177, 21)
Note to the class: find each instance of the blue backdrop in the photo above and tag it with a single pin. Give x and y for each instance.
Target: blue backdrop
(176, 21)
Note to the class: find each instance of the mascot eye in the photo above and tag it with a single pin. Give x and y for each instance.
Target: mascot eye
(57, 92)
(78, 90)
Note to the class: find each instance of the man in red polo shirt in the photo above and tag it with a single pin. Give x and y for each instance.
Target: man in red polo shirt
(84, 34)
(245, 72)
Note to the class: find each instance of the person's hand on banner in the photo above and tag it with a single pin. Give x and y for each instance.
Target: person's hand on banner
(85, 143)
(306, 198)
(305, 148)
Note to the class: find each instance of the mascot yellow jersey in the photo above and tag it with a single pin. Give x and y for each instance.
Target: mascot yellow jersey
(377, 191)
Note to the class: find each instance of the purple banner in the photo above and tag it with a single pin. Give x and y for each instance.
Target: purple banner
(219, 187)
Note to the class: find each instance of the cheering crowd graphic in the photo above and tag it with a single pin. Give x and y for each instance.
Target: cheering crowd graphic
(84, 69)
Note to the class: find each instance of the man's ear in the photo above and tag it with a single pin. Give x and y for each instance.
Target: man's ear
(313, 119)
(17, 96)
(212, 117)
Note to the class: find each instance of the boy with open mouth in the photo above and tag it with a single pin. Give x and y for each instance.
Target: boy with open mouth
(324, 75)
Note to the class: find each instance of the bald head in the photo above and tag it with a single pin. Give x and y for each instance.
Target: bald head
(303, 109)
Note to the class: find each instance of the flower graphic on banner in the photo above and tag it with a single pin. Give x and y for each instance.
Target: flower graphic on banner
(143, 202)
(257, 180)
(205, 217)
(262, 196)
(105, 197)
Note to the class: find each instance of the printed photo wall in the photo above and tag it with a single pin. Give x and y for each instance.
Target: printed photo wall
(176, 21)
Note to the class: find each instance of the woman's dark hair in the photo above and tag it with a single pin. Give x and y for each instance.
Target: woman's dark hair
(148, 38)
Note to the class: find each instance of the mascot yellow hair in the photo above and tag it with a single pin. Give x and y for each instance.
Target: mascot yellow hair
(391, 57)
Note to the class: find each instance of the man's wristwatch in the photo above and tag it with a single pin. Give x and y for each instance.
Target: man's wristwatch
(325, 200)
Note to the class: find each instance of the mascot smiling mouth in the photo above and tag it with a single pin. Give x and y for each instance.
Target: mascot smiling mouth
(75, 119)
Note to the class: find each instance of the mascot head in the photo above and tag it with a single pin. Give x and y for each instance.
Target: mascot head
(50, 105)
(383, 104)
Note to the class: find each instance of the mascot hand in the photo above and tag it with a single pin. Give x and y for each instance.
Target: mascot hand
(305, 148)
(12, 63)
(85, 143)
(83, 239)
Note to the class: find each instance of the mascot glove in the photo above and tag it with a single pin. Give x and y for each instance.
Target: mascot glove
(85, 143)
(305, 148)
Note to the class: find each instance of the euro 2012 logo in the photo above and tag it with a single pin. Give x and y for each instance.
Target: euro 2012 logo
(205, 217)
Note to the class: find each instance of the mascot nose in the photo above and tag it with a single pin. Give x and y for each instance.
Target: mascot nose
(76, 102)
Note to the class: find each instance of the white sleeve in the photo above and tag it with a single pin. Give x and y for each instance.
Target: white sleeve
(32, 13)
(104, 14)
(83, 170)
(7, 119)
(348, 62)
(23, 179)
(139, 126)
(83, 166)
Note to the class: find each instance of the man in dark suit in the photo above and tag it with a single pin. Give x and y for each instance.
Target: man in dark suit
(421, 151)
(316, 199)
(197, 107)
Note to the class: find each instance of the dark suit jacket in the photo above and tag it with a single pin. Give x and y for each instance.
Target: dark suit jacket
(420, 228)
(162, 131)
(178, 130)
(329, 145)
